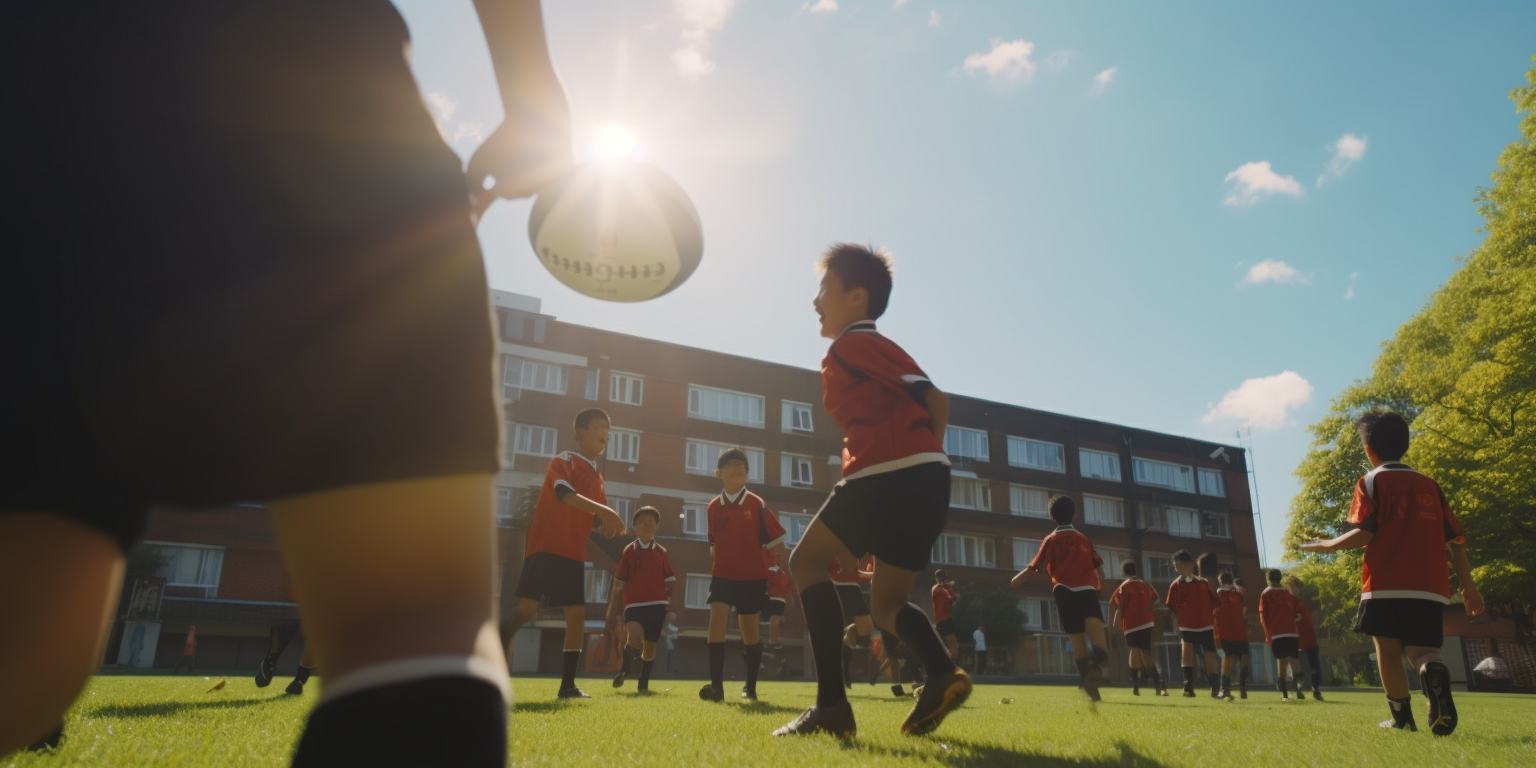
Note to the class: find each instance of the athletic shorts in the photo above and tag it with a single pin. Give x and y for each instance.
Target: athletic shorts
(1076, 607)
(1140, 639)
(1410, 620)
(896, 516)
(854, 603)
(747, 597)
(556, 579)
(1204, 640)
(945, 628)
(1234, 649)
(651, 618)
(1283, 647)
(774, 607)
(272, 286)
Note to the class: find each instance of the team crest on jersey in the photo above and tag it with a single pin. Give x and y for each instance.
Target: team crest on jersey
(748, 513)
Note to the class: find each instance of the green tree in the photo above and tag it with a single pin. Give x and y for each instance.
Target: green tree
(997, 608)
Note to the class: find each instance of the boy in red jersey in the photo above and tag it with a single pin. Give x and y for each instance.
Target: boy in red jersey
(1402, 520)
(1277, 612)
(642, 586)
(554, 562)
(1067, 558)
(1232, 633)
(780, 596)
(1193, 600)
(1306, 640)
(741, 527)
(1131, 604)
(893, 499)
(858, 627)
(944, 598)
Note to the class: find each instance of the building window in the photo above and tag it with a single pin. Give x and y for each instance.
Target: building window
(703, 458)
(1098, 464)
(1211, 483)
(1218, 525)
(797, 417)
(1164, 475)
(626, 510)
(1031, 610)
(593, 377)
(1184, 522)
(597, 581)
(1036, 454)
(1102, 510)
(625, 388)
(1055, 655)
(504, 506)
(519, 373)
(696, 592)
(795, 470)
(696, 520)
(624, 445)
(962, 442)
(970, 493)
(1158, 566)
(1112, 558)
(1024, 551)
(724, 405)
(794, 527)
(535, 441)
(1029, 502)
(190, 565)
(960, 549)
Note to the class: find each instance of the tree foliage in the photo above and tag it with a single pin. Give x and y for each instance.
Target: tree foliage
(1463, 372)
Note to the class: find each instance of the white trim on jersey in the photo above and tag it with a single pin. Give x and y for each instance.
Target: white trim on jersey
(1413, 594)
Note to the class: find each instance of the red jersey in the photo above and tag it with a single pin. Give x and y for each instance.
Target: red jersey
(1411, 523)
(645, 571)
(1069, 557)
(873, 390)
(741, 528)
(1277, 612)
(1305, 629)
(944, 598)
(1192, 604)
(835, 570)
(559, 528)
(1231, 602)
(778, 586)
(1134, 599)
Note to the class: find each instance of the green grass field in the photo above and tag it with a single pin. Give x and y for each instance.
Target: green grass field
(172, 721)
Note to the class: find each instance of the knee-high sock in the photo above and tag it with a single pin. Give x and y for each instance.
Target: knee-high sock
(568, 671)
(754, 660)
(1189, 678)
(1157, 677)
(913, 628)
(824, 623)
(717, 665)
(645, 672)
(302, 676)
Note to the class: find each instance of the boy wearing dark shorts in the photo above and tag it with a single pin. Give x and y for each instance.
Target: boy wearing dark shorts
(944, 598)
(554, 560)
(741, 527)
(893, 499)
(780, 594)
(643, 586)
(1277, 612)
(1232, 633)
(1408, 531)
(1067, 558)
(1132, 605)
(1306, 636)
(1193, 601)
(858, 627)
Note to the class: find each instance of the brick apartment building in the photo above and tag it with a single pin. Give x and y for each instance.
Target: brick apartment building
(1140, 494)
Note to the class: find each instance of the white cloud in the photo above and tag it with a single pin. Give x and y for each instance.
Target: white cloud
(701, 20)
(1006, 60)
(1103, 79)
(1255, 181)
(1349, 293)
(1272, 271)
(933, 18)
(1058, 60)
(1346, 152)
(443, 108)
(821, 6)
(899, 3)
(1262, 403)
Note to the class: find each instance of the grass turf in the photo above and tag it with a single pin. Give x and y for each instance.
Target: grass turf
(173, 721)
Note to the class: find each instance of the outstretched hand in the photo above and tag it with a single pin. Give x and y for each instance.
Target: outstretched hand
(527, 151)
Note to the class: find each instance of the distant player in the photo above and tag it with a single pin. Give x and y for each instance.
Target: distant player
(1277, 612)
(781, 597)
(642, 587)
(1232, 633)
(1193, 601)
(1306, 637)
(1408, 531)
(858, 627)
(1067, 558)
(944, 598)
(1130, 608)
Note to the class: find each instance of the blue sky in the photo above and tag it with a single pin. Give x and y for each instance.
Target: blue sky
(1192, 217)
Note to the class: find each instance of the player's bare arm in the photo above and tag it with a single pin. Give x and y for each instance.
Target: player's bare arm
(937, 404)
(1027, 575)
(1355, 539)
(611, 524)
(1469, 594)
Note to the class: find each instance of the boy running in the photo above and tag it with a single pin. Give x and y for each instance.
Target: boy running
(1277, 612)
(944, 598)
(858, 627)
(893, 499)
(1193, 601)
(780, 596)
(1306, 636)
(1232, 633)
(1131, 604)
(1067, 558)
(643, 586)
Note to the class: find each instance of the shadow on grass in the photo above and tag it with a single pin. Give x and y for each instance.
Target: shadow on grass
(540, 707)
(767, 708)
(165, 708)
(962, 752)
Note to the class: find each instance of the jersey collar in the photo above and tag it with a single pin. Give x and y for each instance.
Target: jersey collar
(740, 496)
(643, 545)
(1061, 528)
(858, 325)
(579, 455)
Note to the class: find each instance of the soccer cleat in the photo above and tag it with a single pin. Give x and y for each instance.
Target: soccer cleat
(49, 742)
(1189, 693)
(940, 696)
(837, 721)
(748, 694)
(710, 693)
(898, 691)
(1408, 725)
(296, 687)
(572, 693)
(917, 691)
(265, 672)
(1092, 676)
(1227, 695)
(618, 680)
(1300, 696)
(1286, 699)
(1317, 695)
(1436, 682)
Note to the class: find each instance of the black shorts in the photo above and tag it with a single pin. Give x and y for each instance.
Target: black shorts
(1204, 640)
(854, 603)
(1140, 639)
(1409, 620)
(747, 597)
(282, 293)
(896, 516)
(1234, 649)
(774, 607)
(560, 580)
(651, 618)
(945, 628)
(1284, 647)
(1076, 607)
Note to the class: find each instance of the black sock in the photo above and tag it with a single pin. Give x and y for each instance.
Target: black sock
(717, 665)
(459, 721)
(1099, 656)
(754, 660)
(824, 623)
(302, 676)
(645, 672)
(1083, 665)
(1135, 679)
(1226, 682)
(1157, 677)
(1189, 678)
(624, 660)
(1402, 711)
(1214, 680)
(568, 673)
(1280, 683)
(847, 664)
(920, 636)
(1317, 680)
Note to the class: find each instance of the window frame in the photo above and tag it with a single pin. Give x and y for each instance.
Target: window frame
(981, 545)
(1019, 511)
(517, 432)
(629, 435)
(1087, 520)
(1022, 461)
(970, 438)
(689, 580)
(506, 385)
(703, 519)
(790, 414)
(1221, 482)
(633, 383)
(1082, 465)
(1206, 519)
(983, 492)
(790, 465)
(1136, 474)
(754, 473)
(700, 389)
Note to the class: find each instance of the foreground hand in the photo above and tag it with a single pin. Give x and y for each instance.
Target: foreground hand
(1473, 600)
(612, 525)
(1316, 545)
(523, 154)
(1017, 580)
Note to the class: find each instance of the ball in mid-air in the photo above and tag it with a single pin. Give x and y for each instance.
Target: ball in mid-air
(618, 231)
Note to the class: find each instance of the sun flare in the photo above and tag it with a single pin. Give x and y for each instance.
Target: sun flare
(613, 142)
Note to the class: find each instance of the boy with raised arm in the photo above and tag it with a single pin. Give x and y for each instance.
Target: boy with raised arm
(1066, 557)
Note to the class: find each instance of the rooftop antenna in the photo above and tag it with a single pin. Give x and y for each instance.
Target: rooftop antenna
(1257, 512)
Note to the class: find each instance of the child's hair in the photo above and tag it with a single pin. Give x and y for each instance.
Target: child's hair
(1183, 556)
(733, 454)
(1207, 565)
(647, 511)
(584, 419)
(1385, 432)
(1225, 578)
(941, 575)
(1128, 568)
(859, 266)
(1273, 575)
(1062, 509)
